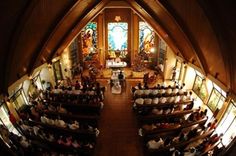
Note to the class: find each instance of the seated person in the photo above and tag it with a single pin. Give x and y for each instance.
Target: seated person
(181, 91)
(169, 90)
(190, 106)
(60, 123)
(147, 92)
(162, 91)
(189, 96)
(148, 101)
(177, 98)
(155, 101)
(74, 125)
(163, 100)
(155, 144)
(139, 101)
(175, 90)
(171, 99)
(138, 92)
(154, 92)
(157, 111)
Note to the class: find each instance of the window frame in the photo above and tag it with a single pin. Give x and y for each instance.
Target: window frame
(220, 97)
(224, 119)
(19, 92)
(200, 88)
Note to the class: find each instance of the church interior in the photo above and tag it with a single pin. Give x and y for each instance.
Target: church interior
(117, 77)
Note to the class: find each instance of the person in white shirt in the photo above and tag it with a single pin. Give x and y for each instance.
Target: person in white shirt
(177, 98)
(175, 90)
(154, 92)
(189, 96)
(138, 93)
(162, 100)
(171, 99)
(181, 91)
(162, 91)
(147, 92)
(169, 90)
(139, 101)
(148, 101)
(183, 98)
(155, 101)
(153, 144)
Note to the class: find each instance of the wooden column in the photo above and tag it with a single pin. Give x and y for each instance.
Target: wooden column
(135, 37)
(101, 39)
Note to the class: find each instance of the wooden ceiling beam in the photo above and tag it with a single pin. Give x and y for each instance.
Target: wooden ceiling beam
(190, 40)
(91, 13)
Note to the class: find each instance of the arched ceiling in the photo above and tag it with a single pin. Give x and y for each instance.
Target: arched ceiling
(203, 32)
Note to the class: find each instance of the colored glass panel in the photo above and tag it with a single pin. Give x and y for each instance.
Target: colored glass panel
(146, 37)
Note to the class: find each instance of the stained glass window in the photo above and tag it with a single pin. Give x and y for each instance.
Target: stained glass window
(199, 87)
(117, 39)
(146, 37)
(216, 100)
(89, 39)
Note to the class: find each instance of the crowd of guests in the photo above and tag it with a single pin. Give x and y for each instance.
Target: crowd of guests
(200, 145)
(43, 111)
(162, 99)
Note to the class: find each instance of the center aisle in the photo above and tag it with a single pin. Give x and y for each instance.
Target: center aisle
(118, 125)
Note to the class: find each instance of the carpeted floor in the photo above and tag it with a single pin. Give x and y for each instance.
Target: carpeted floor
(118, 125)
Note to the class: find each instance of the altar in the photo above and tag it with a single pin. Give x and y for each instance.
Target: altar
(114, 64)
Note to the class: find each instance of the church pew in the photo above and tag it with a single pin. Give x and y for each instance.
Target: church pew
(90, 119)
(157, 95)
(161, 105)
(181, 145)
(54, 146)
(79, 133)
(152, 118)
(77, 108)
